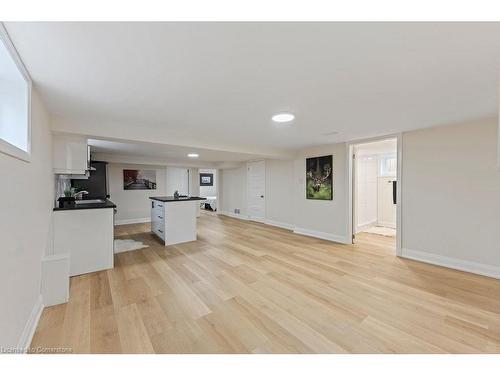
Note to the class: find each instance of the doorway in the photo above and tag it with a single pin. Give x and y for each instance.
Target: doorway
(208, 189)
(375, 196)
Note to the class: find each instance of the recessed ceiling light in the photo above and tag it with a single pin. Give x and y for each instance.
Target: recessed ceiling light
(331, 133)
(283, 117)
(193, 155)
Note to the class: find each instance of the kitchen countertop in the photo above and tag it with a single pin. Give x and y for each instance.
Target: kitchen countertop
(180, 199)
(86, 206)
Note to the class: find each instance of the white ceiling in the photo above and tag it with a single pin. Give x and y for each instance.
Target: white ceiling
(166, 153)
(217, 84)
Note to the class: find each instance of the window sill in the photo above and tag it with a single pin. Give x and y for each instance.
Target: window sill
(10, 150)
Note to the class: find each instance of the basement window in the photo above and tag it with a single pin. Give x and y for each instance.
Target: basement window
(15, 94)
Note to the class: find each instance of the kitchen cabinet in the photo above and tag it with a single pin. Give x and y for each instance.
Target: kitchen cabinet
(71, 154)
(87, 236)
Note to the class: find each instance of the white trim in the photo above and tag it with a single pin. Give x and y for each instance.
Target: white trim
(233, 215)
(133, 221)
(301, 231)
(454, 263)
(399, 197)
(387, 224)
(257, 219)
(30, 327)
(6, 147)
(322, 235)
(279, 224)
(349, 176)
(364, 226)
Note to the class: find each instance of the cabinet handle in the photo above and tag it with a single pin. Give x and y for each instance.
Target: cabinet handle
(159, 230)
(161, 217)
(160, 205)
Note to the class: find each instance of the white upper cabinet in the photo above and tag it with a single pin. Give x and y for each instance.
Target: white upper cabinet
(71, 155)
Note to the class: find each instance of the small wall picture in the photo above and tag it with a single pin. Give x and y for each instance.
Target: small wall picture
(206, 179)
(319, 178)
(139, 179)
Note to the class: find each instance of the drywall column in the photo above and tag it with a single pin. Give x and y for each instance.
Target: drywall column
(218, 176)
(194, 186)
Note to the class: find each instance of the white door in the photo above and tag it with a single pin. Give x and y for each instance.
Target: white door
(256, 186)
(177, 179)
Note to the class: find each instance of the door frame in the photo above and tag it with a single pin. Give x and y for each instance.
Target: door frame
(399, 193)
(253, 218)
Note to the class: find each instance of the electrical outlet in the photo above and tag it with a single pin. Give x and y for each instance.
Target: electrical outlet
(236, 210)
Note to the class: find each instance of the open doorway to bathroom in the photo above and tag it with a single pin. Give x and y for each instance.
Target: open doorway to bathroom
(208, 190)
(375, 191)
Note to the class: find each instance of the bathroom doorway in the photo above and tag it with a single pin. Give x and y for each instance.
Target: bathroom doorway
(375, 196)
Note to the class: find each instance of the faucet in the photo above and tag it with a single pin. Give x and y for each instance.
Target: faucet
(79, 195)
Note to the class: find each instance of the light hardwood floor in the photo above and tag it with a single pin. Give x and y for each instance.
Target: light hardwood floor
(245, 287)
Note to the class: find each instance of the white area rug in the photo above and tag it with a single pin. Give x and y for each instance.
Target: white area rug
(128, 245)
(383, 231)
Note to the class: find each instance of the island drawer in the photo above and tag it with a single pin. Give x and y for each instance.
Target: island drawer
(159, 231)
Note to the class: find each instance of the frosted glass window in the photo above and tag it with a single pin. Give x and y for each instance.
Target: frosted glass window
(388, 165)
(14, 102)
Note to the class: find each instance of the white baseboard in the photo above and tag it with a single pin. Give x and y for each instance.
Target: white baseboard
(279, 224)
(362, 227)
(322, 235)
(457, 264)
(133, 221)
(387, 224)
(30, 327)
(233, 215)
(302, 231)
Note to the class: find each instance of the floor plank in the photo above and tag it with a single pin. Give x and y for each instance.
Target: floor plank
(246, 287)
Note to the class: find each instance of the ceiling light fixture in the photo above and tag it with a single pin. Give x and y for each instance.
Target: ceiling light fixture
(331, 133)
(193, 155)
(283, 117)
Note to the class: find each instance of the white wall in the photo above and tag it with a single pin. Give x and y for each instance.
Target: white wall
(209, 191)
(325, 219)
(234, 188)
(286, 201)
(451, 194)
(450, 200)
(366, 188)
(26, 196)
(133, 205)
(279, 192)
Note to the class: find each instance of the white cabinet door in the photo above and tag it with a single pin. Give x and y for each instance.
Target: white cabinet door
(70, 154)
(256, 186)
(87, 235)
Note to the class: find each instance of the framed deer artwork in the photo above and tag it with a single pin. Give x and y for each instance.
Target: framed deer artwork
(319, 178)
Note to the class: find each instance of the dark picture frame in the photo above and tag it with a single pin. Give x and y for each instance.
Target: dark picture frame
(319, 178)
(206, 179)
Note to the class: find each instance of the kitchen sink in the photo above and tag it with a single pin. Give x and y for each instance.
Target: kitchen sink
(87, 201)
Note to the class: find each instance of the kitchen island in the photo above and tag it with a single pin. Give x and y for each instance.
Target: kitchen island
(173, 220)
